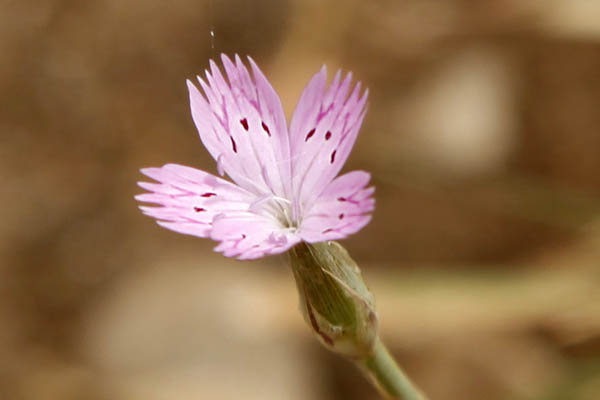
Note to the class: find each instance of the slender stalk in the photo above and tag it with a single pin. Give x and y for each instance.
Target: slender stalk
(387, 376)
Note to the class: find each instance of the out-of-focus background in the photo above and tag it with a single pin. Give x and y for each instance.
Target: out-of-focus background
(483, 138)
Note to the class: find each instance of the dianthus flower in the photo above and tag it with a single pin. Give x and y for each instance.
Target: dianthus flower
(285, 188)
(285, 195)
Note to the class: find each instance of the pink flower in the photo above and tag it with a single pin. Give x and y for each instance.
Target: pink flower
(285, 189)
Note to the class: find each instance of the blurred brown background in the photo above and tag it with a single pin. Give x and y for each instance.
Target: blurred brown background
(483, 137)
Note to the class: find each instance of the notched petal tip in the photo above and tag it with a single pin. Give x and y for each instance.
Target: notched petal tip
(149, 186)
(225, 58)
(213, 65)
(349, 76)
(237, 58)
(252, 62)
(365, 94)
(152, 172)
(192, 89)
(256, 71)
(149, 197)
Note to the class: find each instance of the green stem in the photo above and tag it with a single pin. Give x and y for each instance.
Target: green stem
(387, 376)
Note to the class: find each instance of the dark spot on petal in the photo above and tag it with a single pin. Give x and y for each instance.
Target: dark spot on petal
(199, 209)
(328, 135)
(333, 156)
(243, 236)
(266, 128)
(327, 230)
(244, 123)
(209, 194)
(233, 145)
(341, 216)
(309, 135)
(341, 199)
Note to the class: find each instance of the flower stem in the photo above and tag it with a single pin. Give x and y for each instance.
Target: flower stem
(387, 376)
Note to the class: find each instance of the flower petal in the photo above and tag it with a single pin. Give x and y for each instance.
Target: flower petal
(197, 203)
(322, 132)
(188, 199)
(242, 124)
(341, 210)
(248, 236)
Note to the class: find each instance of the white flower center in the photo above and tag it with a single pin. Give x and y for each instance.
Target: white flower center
(275, 207)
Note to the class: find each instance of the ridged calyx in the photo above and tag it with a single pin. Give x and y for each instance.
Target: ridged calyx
(334, 299)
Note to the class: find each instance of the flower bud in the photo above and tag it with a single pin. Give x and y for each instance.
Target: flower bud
(334, 299)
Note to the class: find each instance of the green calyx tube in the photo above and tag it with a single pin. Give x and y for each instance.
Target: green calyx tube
(334, 299)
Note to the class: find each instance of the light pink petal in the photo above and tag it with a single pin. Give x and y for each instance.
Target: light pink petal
(194, 202)
(187, 200)
(248, 236)
(342, 209)
(241, 122)
(322, 132)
